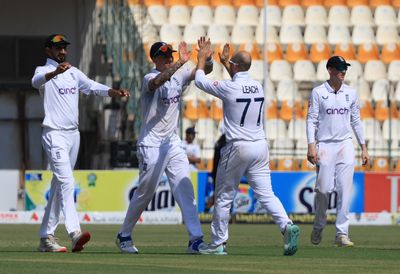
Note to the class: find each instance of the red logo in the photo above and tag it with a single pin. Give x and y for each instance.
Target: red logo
(35, 217)
(87, 218)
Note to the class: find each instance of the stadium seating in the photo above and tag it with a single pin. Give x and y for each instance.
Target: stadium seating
(202, 15)
(338, 34)
(293, 15)
(387, 34)
(274, 16)
(361, 15)
(290, 34)
(367, 51)
(179, 15)
(158, 14)
(296, 52)
(314, 34)
(319, 52)
(247, 15)
(316, 15)
(339, 15)
(224, 15)
(385, 15)
(242, 34)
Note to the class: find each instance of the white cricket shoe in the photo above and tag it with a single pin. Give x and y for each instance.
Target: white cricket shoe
(291, 239)
(79, 239)
(316, 236)
(50, 244)
(125, 244)
(213, 249)
(343, 241)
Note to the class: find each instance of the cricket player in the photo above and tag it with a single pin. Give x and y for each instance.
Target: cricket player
(159, 146)
(59, 83)
(333, 112)
(246, 150)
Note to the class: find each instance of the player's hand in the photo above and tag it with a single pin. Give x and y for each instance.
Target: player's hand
(62, 67)
(365, 157)
(205, 50)
(312, 154)
(184, 53)
(119, 93)
(224, 56)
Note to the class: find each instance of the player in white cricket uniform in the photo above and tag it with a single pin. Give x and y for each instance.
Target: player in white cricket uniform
(192, 149)
(59, 83)
(246, 152)
(159, 146)
(332, 114)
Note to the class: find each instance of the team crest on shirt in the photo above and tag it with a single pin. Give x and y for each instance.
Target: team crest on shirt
(347, 98)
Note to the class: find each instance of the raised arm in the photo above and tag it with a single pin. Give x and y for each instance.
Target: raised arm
(201, 81)
(209, 61)
(161, 78)
(224, 58)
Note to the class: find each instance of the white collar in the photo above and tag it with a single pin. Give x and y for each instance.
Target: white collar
(331, 90)
(51, 62)
(241, 74)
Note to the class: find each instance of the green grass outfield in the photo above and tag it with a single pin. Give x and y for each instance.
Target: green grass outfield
(251, 248)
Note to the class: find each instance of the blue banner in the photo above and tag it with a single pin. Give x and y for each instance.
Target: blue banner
(294, 189)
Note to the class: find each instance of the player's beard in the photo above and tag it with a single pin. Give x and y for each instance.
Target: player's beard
(60, 58)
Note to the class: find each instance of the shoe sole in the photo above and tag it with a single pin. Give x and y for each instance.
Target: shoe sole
(211, 253)
(60, 250)
(294, 233)
(341, 245)
(85, 237)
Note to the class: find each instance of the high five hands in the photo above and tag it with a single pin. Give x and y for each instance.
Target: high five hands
(205, 51)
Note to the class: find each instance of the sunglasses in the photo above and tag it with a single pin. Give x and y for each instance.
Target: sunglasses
(163, 49)
(233, 63)
(59, 38)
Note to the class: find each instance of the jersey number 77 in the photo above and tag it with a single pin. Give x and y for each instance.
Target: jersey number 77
(248, 102)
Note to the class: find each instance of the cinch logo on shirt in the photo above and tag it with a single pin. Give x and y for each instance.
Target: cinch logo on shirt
(172, 100)
(250, 89)
(63, 91)
(341, 111)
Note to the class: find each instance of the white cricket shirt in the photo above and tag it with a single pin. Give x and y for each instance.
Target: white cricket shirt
(61, 94)
(193, 150)
(332, 115)
(243, 104)
(160, 108)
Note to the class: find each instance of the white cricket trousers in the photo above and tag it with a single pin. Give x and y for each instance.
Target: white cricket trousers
(252, 160)
(335, 172)
(62, 148)
(153, 161)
